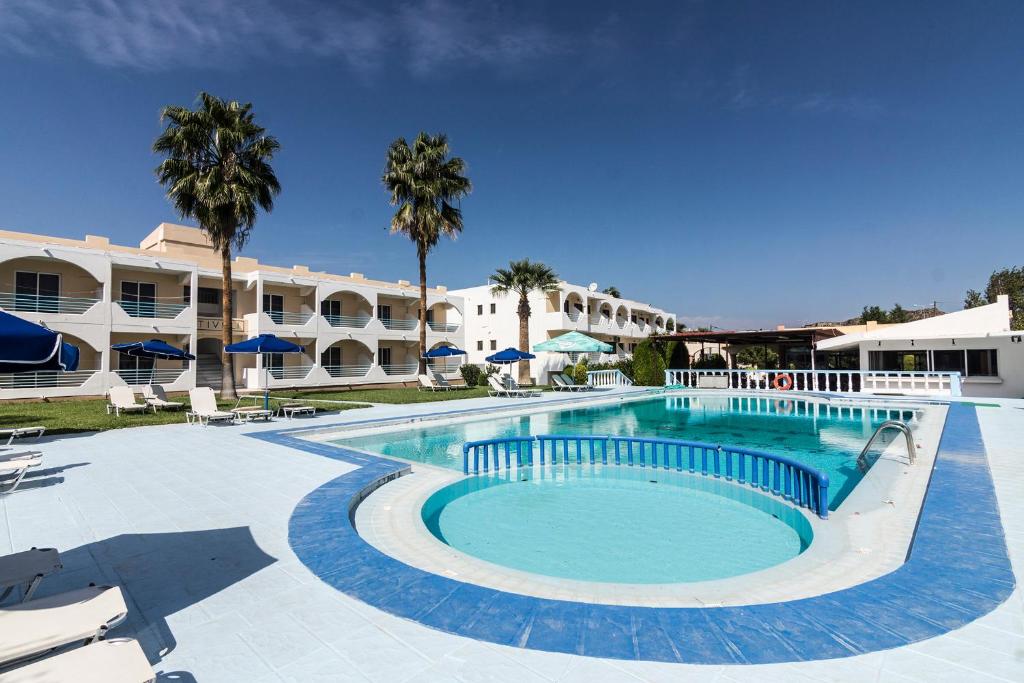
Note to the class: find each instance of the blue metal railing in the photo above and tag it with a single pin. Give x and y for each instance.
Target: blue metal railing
(778, 475)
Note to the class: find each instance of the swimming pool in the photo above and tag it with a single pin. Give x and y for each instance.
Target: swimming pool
(819, 434)
(615, 524)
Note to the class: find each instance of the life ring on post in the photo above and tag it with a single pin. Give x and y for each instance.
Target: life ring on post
(783, 382)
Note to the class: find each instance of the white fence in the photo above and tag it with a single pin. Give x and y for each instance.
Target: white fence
(608, 378)
(831, 381)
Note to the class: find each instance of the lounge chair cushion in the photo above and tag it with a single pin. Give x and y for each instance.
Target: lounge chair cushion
(117, 660)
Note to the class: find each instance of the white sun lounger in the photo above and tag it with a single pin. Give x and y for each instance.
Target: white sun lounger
(427, 383)
(13, 469)
(38, 626)
(27, 569)
(569, 383)
(561, 385)
(290, 410)
(155, 396)
(444, 383)
(498, 390)
(204, 407)
(118, 660)
(21, 432)
(122, 400)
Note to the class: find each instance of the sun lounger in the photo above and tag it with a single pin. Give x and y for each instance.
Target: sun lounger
(204, 407)
(118, 660)
(38, 626)
(512, 385)
(498, 390)
(27, 569)
(21, 432)
(290, 410)
(13, 470)
(155, 396)
(445, 384)
(559, 384)
(122, 400)
(426, 383)
(250, 413)
(571, 384)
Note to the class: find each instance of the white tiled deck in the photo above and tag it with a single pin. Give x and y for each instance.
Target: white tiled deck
(192, 523)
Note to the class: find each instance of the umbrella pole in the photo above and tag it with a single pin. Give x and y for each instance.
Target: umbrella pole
(266, 384)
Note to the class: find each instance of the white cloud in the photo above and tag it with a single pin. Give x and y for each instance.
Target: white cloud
(167, 34)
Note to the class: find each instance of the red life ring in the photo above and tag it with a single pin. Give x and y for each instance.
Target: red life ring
(783, 382)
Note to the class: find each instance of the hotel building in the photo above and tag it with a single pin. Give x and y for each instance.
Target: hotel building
(355, 331)
(492, 323)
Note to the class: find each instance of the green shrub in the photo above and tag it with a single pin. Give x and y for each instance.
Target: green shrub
(579, 371)
(649, 364)
(676, 356)
(472, 374)
(713, 361)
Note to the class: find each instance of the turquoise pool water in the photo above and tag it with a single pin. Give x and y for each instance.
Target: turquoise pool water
(824, 437)
(615, 524)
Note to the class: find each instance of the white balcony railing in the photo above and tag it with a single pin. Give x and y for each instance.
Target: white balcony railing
(445, 366)
(33, 303)
(608, 378)
(443, 327)
(409, 368)
(45, 379)
(356, 321)
(399, 323)
(151, 309)
(288, 317)
(139, 377)
(358, 370)
(291, 372)
(828, 381)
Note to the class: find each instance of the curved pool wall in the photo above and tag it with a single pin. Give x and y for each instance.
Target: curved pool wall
(957, 570)
(616, 525)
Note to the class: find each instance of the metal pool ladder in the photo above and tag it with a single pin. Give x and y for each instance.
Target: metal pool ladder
(889, 424)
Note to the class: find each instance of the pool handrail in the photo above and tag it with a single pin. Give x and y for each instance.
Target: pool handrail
(777, 475)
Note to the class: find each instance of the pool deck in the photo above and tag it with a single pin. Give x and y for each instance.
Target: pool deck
(193, 524)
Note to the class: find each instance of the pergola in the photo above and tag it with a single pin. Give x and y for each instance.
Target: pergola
(788, 342)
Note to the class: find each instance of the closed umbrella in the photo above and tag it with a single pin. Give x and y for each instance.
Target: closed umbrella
(265, 343)
(27, 347)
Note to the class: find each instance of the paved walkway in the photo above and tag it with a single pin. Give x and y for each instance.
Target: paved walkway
(192, 522)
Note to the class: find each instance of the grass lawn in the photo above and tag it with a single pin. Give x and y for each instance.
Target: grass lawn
(90, 415)
(394, 395)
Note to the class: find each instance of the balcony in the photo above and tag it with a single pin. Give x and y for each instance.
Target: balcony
(403, 324)
(409, 368)
(45, 379)
(142, 376)
(45, 303)
(291, 372)
(151, 309)
(348, 370)
(354, 321)
(289, 318)
(443, 327)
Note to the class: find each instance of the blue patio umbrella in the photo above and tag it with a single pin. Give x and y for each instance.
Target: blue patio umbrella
(27, 347)
(444, 352)
(152, 348)
(265, 343)
(509, 356)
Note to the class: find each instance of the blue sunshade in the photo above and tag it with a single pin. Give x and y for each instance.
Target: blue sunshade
(265, 343)
(152, 348)
(27, 347)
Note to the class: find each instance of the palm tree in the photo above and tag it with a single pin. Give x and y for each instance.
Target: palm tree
(426, 186)
(612, 291)
(522, 278)
(217, 172)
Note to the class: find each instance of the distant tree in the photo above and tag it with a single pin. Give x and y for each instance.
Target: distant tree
(522, 278)
(217, 172)
(897, 314)
(710, 361)
(648, 364)
(875, 313)
(1009, 281)
(758, 357)
(612, 291)
(426, 185)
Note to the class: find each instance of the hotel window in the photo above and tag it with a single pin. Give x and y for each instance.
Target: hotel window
(480, 345)
(494, 345)
(186, 295)
(126, 362)
(480, 309)
(898, 361)
(330, 307)
(494, 308)
(331, 356)
(384, 355)
(138, 298)
(949, 361)
(633, 319)
(982, 363)
(37, 292)
(384, 312)
(430, 316)
(273, 306)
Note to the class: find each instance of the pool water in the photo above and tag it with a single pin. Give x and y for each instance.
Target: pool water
(615, 524)
(825, 437)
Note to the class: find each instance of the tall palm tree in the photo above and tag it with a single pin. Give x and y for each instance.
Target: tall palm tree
(426, 185)
(522, 278)
(217, 172)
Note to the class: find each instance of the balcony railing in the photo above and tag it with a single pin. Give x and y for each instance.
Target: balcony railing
(401, 368)
(359, 370)
(291, 372)
(608, 378)
(151, 309)
(358, 321)
(141, 376)
(42, 303)
(445, 366)
(289, 318)
(45, 379)
(399, 323)
(443, 327)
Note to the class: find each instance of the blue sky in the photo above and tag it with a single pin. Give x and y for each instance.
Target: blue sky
(741, 163)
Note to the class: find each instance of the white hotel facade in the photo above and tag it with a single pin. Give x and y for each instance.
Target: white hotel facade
(356, 331)
(492, 323)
